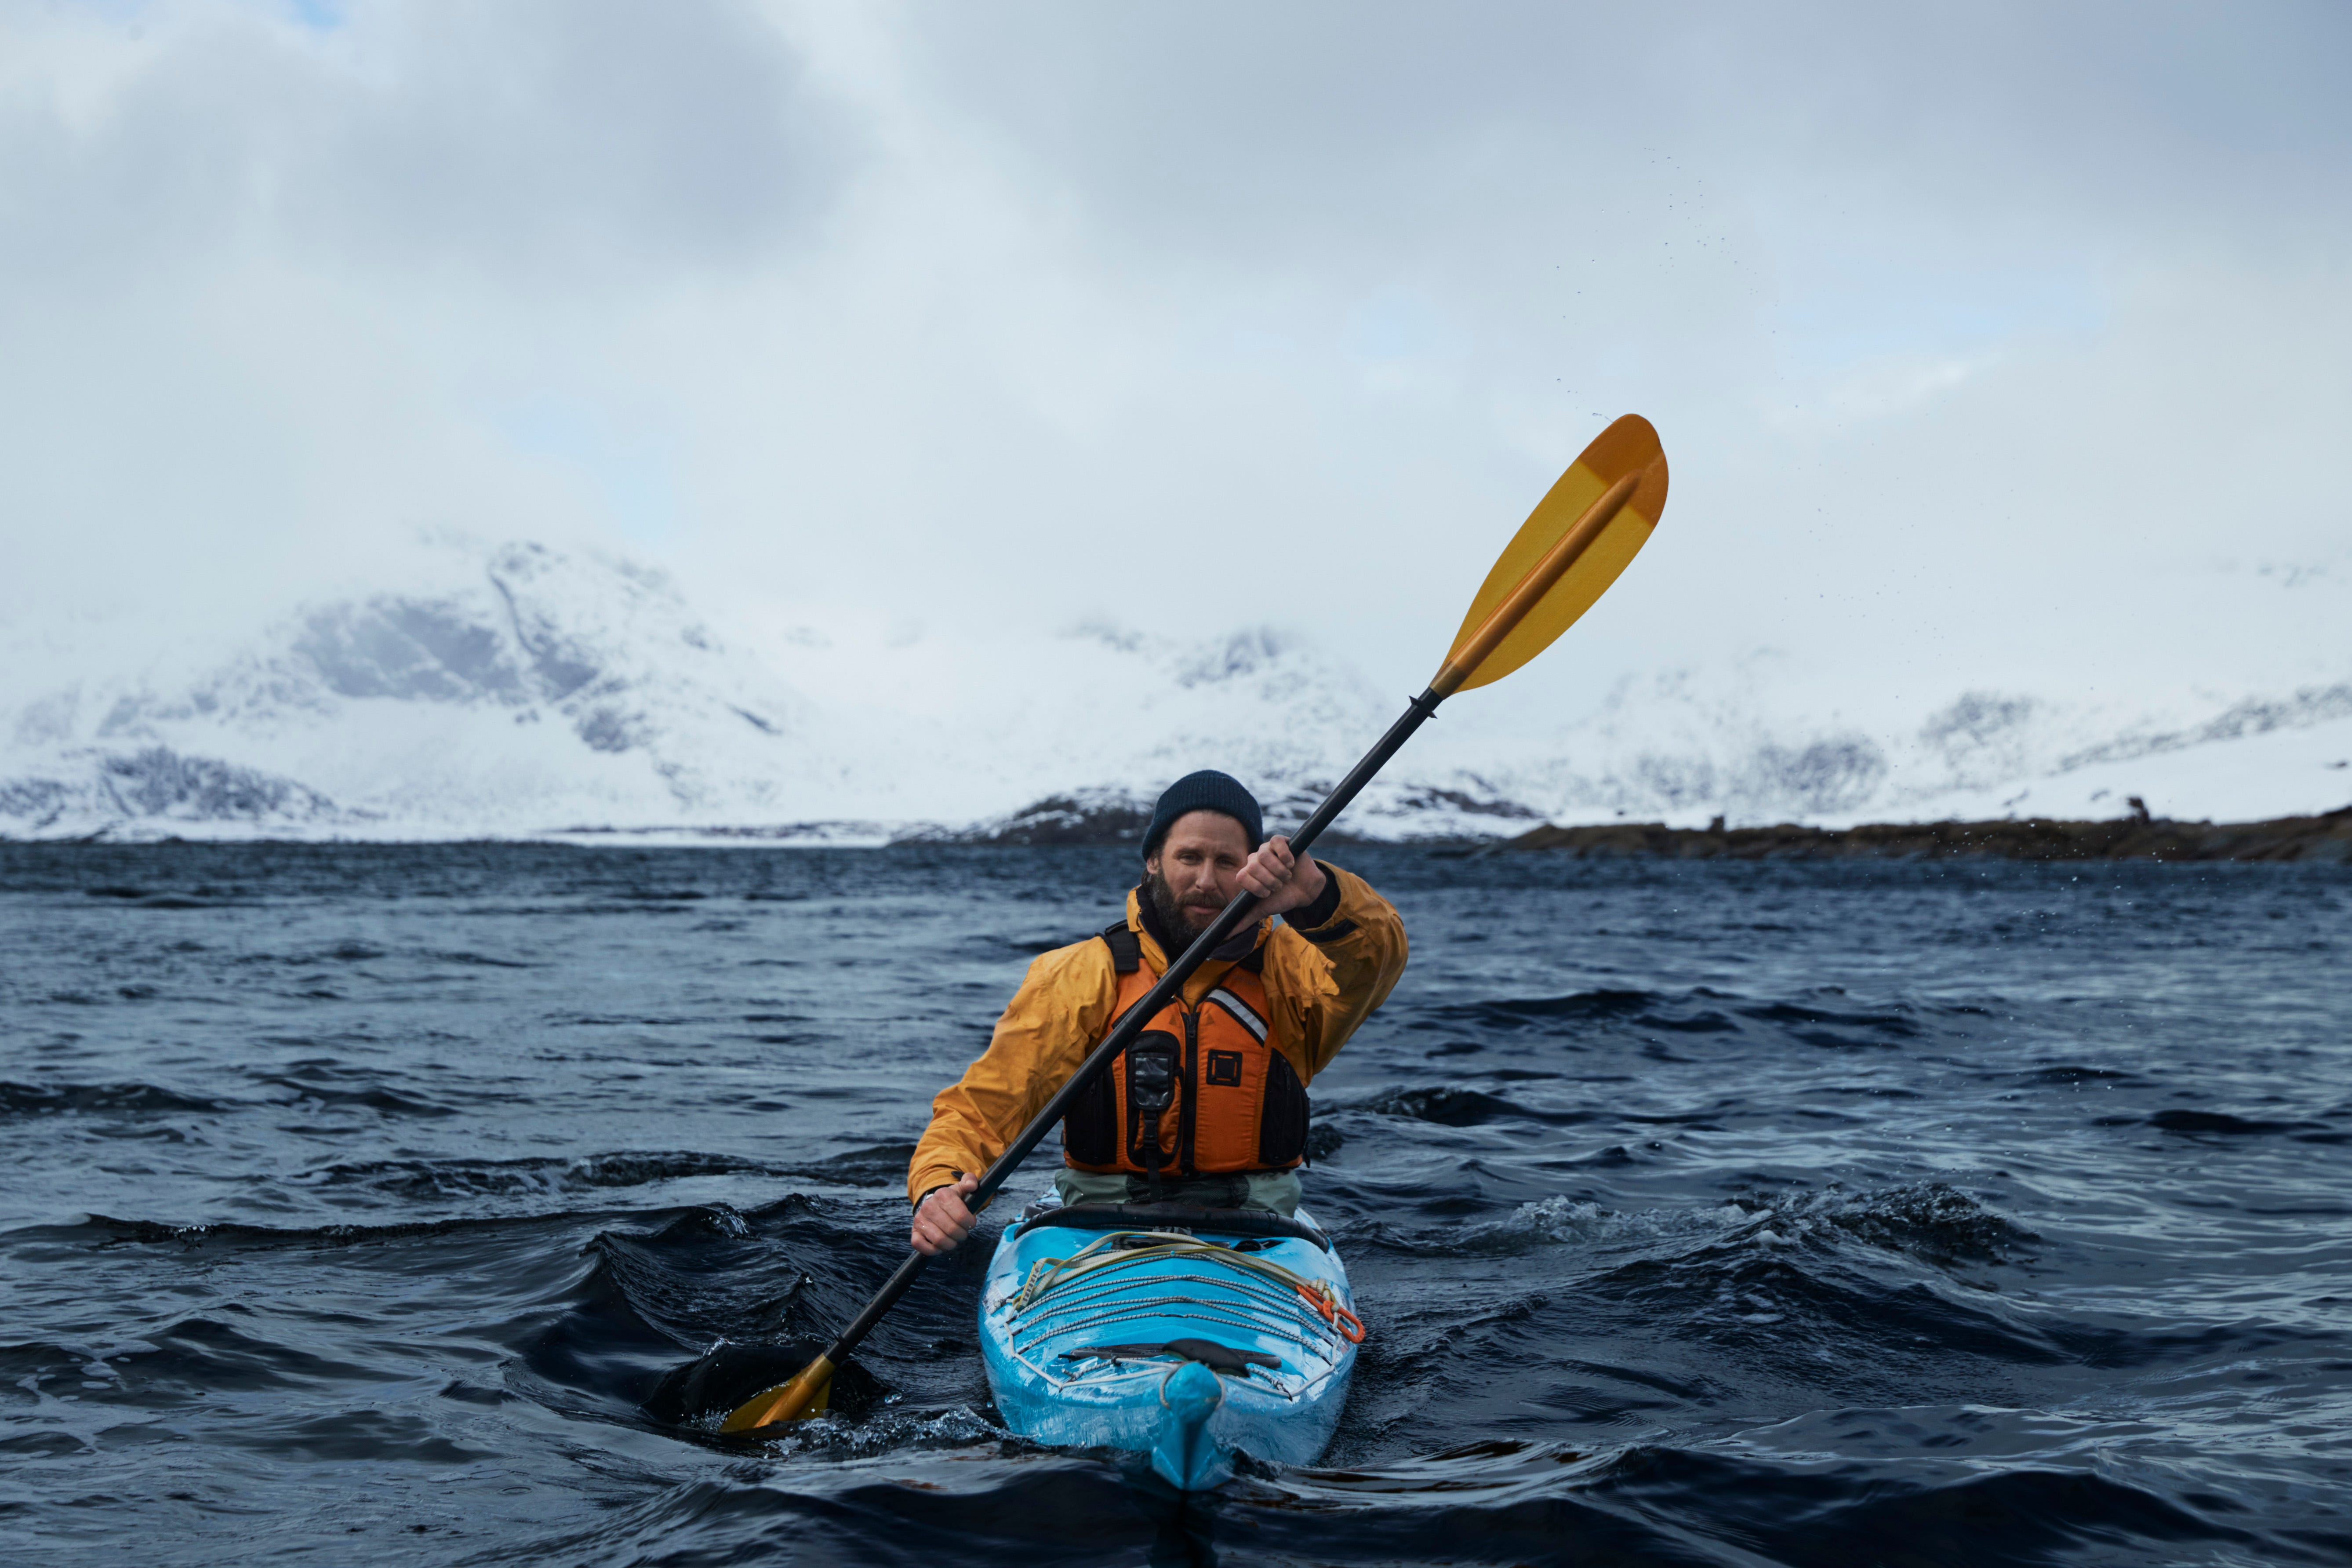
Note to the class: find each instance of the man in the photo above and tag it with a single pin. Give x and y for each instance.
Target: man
(1208, 1106)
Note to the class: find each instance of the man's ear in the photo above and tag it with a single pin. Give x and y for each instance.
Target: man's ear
(1151, 864)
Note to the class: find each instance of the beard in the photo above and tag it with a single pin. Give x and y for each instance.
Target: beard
(1176, 920)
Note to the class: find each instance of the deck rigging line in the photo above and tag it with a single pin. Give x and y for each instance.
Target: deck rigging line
(1264, 1296)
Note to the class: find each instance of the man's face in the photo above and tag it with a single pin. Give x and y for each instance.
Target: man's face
(1200, 863)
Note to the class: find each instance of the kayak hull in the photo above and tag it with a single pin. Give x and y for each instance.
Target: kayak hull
(1191, 1419)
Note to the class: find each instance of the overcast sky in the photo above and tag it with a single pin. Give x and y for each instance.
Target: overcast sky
(1986, 341)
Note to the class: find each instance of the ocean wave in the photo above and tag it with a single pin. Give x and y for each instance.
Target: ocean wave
(1932, 1221)
(118, 1098)
(1452, 1107)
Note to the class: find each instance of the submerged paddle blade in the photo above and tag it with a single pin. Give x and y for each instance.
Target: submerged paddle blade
(803, 1396)
(1563, 558)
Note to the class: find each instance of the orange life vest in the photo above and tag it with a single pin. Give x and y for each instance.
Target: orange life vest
(1201, 1090)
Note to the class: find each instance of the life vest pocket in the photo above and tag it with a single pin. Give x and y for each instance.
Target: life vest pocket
(1151, 1063)
(1152, 1070)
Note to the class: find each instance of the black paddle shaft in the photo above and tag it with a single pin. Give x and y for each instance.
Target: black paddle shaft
(1098, 1060)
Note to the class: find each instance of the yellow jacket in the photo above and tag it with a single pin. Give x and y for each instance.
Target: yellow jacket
(1322, 983)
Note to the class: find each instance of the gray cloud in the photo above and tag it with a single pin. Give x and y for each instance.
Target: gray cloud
(1194, 123)
(540, 143)
(549, 138)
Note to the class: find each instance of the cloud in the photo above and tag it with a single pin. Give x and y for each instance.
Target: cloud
(528, 146)
(1975, 337)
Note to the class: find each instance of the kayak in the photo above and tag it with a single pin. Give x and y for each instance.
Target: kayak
(1187, 1334)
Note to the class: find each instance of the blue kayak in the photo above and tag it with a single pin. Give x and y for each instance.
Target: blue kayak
(1186, 1334)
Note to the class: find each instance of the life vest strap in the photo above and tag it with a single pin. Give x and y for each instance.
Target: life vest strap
(1126, 947)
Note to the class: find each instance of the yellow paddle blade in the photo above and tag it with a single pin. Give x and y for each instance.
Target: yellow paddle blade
(1583, 562)
(808, 1394)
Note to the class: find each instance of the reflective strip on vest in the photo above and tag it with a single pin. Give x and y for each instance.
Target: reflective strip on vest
(1240, 1010)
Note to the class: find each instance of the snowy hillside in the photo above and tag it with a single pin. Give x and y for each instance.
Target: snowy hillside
(526, 690)
(534, 689)
(1760, 744)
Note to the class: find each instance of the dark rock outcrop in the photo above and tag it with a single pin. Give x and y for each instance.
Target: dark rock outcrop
(2323, 839)
(1087, 818)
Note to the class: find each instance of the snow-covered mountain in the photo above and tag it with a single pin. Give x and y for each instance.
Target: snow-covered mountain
(537, 688)
(522, 689)
(1758, 743)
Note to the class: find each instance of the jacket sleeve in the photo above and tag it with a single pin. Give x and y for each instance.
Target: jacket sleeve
(1062, 1009)
(1324, 980)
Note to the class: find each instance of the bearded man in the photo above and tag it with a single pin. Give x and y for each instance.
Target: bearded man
(1208, 1106)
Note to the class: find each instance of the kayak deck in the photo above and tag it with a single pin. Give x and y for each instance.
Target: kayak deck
(1187, 1344)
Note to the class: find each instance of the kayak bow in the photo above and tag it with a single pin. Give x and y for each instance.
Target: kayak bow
(1189, 1345)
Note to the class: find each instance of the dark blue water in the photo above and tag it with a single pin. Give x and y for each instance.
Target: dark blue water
(357, 1201)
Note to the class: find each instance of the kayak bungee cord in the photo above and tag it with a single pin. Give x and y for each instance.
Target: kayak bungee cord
(1068, 1287)
(1126, 1247)
(1203, 1310)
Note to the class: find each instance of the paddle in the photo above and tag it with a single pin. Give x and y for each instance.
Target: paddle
(1570, 549)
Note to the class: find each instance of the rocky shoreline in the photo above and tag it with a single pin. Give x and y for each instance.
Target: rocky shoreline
(1111, 817)
(2326, 840)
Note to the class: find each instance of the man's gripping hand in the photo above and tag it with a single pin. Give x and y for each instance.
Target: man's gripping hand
(942, 1218)
(1282, 881)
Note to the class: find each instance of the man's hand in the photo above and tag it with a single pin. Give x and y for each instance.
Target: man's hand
(943, 1220)
(1282, 881)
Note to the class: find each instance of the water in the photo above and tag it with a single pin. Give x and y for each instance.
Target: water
(358, 1199)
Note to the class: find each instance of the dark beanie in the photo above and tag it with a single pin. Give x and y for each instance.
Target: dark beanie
(1207, 790)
